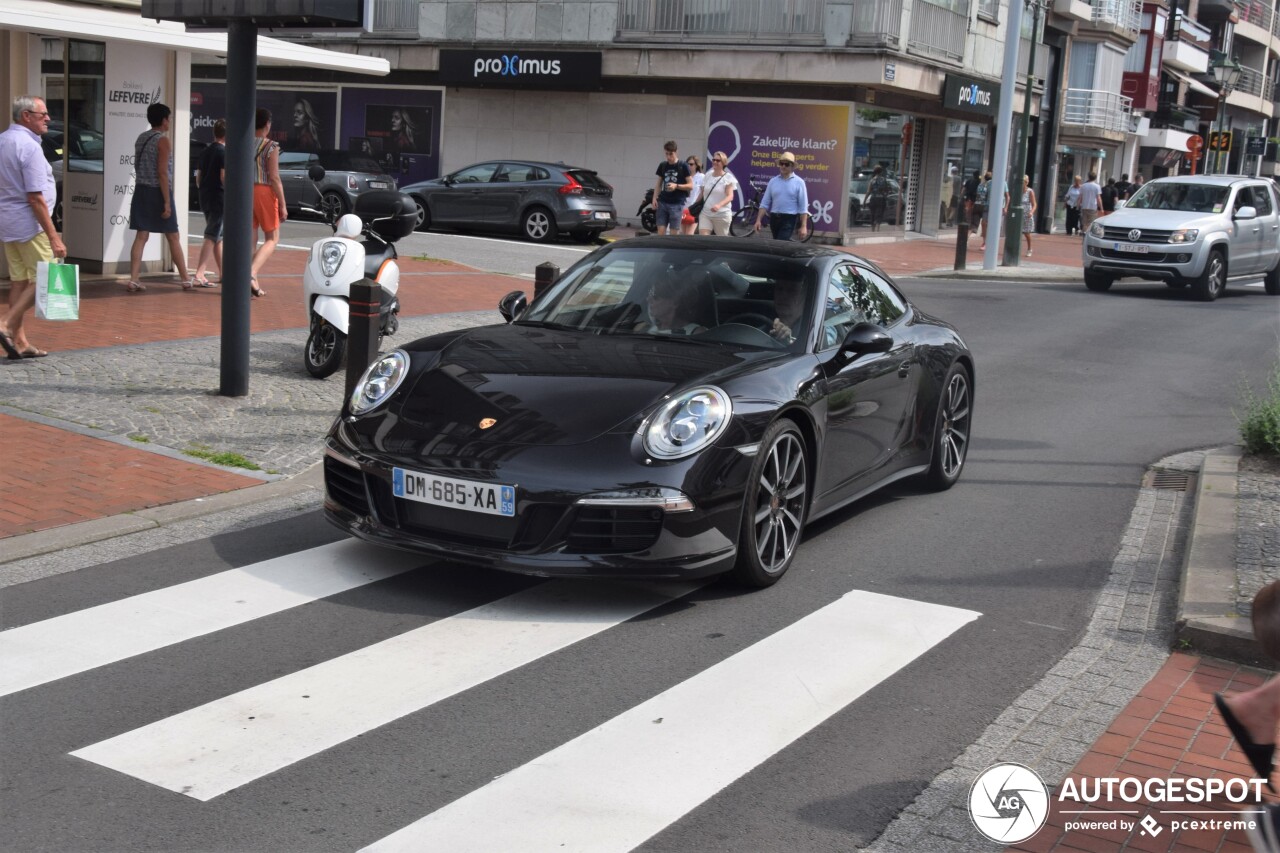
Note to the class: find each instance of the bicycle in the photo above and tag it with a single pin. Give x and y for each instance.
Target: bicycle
(743, 223)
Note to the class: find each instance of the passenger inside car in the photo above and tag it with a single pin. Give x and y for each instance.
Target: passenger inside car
(673, 305)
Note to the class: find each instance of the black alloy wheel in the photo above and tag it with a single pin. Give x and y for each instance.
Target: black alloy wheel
(649, 219)
(324, 349)
(1212, 283)
(951, 430)
(774, 508)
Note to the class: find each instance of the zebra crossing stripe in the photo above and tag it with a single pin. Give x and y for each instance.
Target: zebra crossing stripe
(217, 747)
(65, 645)
(620, 783)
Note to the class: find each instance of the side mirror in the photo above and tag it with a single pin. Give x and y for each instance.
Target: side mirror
(512, 305)
(448, 180)
(1246, 212)
(316, 173)
(866, 338)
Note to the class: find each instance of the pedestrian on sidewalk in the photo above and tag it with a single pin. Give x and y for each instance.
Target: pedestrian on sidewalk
(1072, 203)
(210, 183)
(717, 197)
(1028, 211)
(674, 184)
(689, 222)
(786, 201)
(971, 212)
(984, 206)
(1108, 197)
(877, 196)
(151, 209)
(28, 193)
(1090, 195)
(268, 197)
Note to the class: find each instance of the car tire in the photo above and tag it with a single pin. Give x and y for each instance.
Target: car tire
(774, 508)
(324, 350)
(333, 206)
(1212, 283)
(1271, 283)
(424, 215)
(1097, 282)
(951, 430)
(538, 224)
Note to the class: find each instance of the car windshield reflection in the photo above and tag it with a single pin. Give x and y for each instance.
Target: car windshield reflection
(680, 294)
(1196, 198)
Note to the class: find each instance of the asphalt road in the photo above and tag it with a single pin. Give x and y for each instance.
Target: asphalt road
(979, 591)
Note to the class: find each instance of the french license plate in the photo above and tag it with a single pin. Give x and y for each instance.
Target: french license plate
(1136, 248)
(600, 215)
(489, 498)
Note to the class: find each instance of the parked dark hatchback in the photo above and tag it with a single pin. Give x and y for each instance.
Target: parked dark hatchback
(670, 407)
(538, 200)
(346, 176)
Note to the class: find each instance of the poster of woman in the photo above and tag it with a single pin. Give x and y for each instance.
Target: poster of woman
(304, 129)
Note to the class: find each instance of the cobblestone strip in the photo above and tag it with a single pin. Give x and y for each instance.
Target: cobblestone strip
(1052, 725)
(1257, 536)
(165, 394)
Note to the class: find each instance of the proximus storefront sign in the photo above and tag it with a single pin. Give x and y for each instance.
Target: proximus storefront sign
(970, 94)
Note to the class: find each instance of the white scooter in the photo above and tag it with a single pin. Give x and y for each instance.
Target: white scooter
(362, 246)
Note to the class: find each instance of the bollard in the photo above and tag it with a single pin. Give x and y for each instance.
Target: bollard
(362, 330)
(962, 244)
(545, 274)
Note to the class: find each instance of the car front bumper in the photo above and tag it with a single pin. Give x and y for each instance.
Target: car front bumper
(556, 532)
(1164, 262)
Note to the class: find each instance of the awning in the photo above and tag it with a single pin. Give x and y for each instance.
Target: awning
(1166, 137)
(1196, 85)
(95, 23)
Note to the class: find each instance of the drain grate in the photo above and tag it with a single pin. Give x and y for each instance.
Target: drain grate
(1173, 481)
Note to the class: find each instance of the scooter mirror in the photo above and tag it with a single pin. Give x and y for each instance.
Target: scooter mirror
(316, 172)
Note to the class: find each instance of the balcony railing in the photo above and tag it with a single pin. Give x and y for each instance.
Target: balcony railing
(1255, 12)
(876, 23)
(1122, 14)
(1098, 109)
(1252, 81)
(723, 20)
(939, 31)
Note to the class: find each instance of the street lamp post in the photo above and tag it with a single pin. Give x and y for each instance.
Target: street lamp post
(1013, 221)
(1226, 71)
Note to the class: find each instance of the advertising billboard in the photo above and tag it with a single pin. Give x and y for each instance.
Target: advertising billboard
(301, 120)
(755, 134)
(398, 127)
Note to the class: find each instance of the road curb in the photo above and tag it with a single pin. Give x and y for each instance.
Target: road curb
(1207, 617)
(96, 530)
(1028, 275)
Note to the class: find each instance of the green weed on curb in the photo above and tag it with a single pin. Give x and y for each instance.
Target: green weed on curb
(224, 457)
(1260, 421)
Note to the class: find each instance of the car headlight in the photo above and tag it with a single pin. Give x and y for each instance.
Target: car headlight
(1097, 230)
(331, 255)
(379, 382)
(1184, 235)
(687, 423)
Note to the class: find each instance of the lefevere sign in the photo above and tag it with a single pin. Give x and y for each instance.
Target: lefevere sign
(521, 69)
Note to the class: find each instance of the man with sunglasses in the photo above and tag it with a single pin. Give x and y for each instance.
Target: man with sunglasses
(28, 194)
(786, 201)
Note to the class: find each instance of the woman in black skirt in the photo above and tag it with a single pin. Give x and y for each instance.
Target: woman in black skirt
(152, 206)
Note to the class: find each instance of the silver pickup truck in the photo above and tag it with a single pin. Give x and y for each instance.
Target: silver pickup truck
(1197, 230)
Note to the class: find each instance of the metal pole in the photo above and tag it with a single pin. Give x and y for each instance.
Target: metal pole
(1222, 119)
(1012, 251)
(237, 245)
(1004, 123)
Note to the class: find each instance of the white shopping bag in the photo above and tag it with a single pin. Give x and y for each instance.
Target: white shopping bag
(57, 291)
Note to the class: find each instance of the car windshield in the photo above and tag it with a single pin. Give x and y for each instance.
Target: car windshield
(342, 161)
(740, 299)
(1195, 198)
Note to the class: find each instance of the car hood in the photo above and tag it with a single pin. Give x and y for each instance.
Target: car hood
(551, 387)
(1160, 220)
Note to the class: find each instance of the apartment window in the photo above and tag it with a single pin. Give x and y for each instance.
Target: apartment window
(989, 10)
(1084, 59)
(1136, 58)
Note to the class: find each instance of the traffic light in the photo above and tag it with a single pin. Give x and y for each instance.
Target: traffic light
(1224, 140)
(1214, 138)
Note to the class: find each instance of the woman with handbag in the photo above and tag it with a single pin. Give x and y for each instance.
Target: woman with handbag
(715, 204)
(689, 220)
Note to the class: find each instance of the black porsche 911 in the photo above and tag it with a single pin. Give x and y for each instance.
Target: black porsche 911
(671, 407)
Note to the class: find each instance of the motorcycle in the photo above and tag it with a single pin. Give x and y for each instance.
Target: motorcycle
(362, 246)
(648, 215)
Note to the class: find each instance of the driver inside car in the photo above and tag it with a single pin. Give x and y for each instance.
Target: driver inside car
(788, 303)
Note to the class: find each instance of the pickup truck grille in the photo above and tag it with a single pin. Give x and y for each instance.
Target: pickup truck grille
(1148, 235)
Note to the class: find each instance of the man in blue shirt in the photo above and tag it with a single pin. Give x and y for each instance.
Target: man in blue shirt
(786, 200)
(674, 183)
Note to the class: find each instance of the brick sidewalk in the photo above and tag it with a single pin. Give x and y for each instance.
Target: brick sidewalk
(1170, 729)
